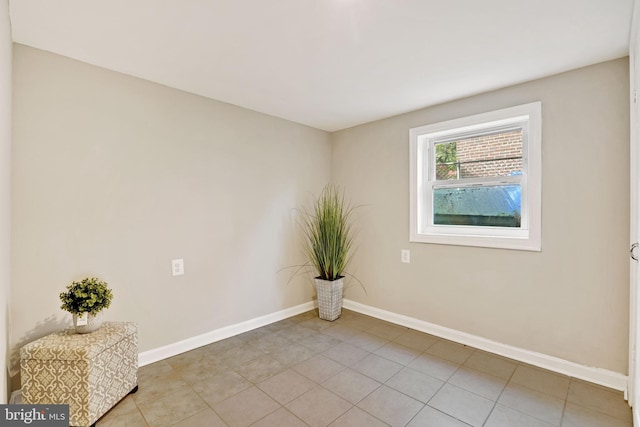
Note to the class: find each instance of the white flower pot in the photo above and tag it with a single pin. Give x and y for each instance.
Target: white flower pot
(329, 298)
(93, 322)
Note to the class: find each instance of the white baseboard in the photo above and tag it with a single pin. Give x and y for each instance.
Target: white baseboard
(600, 376)
(174, 349)
(636, 416)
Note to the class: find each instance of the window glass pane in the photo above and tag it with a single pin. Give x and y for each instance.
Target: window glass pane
(492, 154)
(487, 206)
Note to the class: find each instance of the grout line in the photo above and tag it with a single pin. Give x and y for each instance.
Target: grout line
(500, 395)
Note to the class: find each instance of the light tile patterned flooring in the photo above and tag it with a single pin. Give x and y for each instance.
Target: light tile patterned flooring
(357, 371)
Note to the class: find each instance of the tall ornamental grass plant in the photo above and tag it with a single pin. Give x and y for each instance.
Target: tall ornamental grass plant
(328, 232)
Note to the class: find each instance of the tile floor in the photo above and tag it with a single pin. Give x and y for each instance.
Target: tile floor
(357, 371)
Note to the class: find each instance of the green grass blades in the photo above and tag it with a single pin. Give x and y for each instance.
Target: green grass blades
(328, 232)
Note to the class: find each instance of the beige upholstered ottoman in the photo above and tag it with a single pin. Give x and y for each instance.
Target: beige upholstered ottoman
(90, 372)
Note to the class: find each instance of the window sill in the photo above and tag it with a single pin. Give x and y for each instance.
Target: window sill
(495, 242)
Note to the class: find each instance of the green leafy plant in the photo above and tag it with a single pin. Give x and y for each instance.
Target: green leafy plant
(90, 295)
(328, 233)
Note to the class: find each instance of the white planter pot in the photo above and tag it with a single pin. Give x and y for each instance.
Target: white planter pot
(94, 321)
(329, 298)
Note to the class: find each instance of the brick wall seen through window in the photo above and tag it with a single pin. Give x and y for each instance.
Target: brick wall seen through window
(497, 154)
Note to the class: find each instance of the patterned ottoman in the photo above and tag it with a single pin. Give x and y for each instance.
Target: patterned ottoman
(90, 372)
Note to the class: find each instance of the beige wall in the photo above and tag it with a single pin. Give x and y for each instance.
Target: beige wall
(570, 300)
(114, 176)
(5, 167)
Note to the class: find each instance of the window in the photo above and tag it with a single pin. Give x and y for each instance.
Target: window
(476, 181)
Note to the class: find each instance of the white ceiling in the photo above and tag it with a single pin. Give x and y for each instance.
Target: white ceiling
(329, 64)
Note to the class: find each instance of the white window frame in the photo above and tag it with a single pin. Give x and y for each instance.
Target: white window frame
(422, 142)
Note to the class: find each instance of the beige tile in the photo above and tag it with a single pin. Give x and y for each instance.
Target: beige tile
(491, 364)
(318, 407)
(531, 402)
(351, 385)
(206, 418)
(391, 406)
(154, 369)
(356, 417)
(415, 384)
(286, 386)
(316, 324)
(434, 366)
(319, 368)
(221, 387)
(270, 342)
(199, 370)
(172, 408)
(346, 354)
(378, 368)
(123, 407)
(121, 413)
(131, 419)
(184, 359)
(208, 356)
(462, 405)
(606, 401)
(416, 340)
(478, 382)
(261, 368)
(397, 353)
(541, 380)
(239, 355)
(296, 332)
(453, 352)
(319, 342)
(280, 418)
(246, 407)
(501, 416)
(341, 332)
(151, 388)
(361, 323)
(578, 416)
(293, 354)
(387, 331)
(430, 417)
(367, 341)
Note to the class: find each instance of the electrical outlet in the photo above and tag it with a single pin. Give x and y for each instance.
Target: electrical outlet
(177, 267)
(405, 256)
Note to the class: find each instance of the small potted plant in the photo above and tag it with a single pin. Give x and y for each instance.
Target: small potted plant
(328, 239)
(89, 296)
